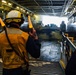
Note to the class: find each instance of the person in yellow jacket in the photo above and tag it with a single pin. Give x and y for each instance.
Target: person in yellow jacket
(22, 41)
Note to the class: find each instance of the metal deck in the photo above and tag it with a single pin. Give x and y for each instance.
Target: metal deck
(45, 68)
(0, 68)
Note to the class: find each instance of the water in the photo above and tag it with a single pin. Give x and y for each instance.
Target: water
(50, 51)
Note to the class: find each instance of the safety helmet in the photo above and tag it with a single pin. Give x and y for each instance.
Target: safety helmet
(14, 16)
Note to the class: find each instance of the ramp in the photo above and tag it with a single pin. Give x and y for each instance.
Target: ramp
(45, 68)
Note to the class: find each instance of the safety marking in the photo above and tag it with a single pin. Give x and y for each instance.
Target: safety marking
(62, 64)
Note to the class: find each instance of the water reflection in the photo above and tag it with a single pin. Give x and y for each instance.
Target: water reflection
(50, 51)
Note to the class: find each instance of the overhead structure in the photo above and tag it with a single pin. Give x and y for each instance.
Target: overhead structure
(43, 7)
(72, 9)
(7, 5)
(46, 7)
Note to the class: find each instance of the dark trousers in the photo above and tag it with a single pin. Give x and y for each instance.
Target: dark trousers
(71, 65)
(17, 71)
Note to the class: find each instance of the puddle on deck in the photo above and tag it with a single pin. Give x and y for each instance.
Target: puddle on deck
(50, 51)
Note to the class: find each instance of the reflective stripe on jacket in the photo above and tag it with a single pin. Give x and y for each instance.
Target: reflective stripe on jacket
(18, 39)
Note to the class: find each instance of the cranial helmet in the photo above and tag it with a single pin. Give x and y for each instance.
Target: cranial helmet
(14, 16)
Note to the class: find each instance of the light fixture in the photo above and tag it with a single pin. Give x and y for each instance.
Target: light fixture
(17, 8)
(10, 4)
(23, 11)
(27, 12)
(3, 1)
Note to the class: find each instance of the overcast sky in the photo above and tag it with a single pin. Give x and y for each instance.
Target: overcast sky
(55, 20)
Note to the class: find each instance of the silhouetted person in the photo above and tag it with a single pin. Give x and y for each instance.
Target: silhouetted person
(63, 27)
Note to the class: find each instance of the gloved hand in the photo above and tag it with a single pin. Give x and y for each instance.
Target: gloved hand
(33, 34)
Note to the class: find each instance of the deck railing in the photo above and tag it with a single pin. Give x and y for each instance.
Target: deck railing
(68, 48)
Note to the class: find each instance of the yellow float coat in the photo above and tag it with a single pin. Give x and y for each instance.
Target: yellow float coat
(18, 39)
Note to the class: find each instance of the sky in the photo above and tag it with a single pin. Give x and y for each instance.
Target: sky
(55, 20)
